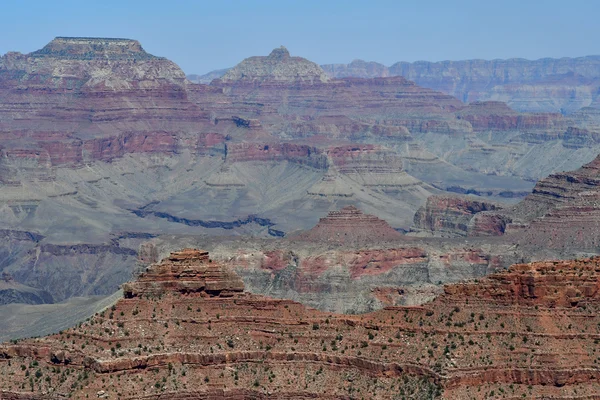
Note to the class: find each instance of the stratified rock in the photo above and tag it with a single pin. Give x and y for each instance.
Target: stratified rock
(527, 332)
(278, 66)
(498, 116)
(276, 152)
(350, 225)
(87, 48)
(553, 284)
(186, 271)
(452, 216)
(559, 189)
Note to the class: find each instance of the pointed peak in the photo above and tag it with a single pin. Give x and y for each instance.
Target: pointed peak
(280, 53)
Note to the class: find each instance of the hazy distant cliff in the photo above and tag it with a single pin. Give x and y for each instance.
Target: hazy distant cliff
(547, 84)
(544, 85)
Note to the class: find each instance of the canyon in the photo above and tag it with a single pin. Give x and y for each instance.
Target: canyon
(111, 157)
(368, 231)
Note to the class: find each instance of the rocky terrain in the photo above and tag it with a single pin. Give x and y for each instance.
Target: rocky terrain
(111, 157)
(559, 217)
(350, 262)
(187, 329)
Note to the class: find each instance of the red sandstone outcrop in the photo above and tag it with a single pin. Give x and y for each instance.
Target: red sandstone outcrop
(78, 100)
(560, 189)
(280, 85)
(560, 284)
(187, 271)
(528, 332)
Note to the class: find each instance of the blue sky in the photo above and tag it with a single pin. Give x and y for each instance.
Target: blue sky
(204, 35)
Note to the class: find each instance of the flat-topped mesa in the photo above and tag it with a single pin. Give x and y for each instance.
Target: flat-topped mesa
(186, 271)
(88, 48)
(544, 283)
(278, 67)
(350, 225)
(89, 65)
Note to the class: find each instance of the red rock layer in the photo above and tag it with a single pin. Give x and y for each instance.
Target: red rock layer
(83, 99)
(186, 271)
(364, 158)
(528, 332)
(560, 189)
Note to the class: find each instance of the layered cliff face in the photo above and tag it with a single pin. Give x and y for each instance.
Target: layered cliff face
(351, 262)
(105, 146)
(86, 62)
(454, 216)
(560, 218)
(186, 271)
(560, 189)
(526, 332)
(556, 85)
(562, 212)
(79, 100)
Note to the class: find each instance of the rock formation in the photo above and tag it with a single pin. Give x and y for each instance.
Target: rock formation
(560, 189)
(454, 216)
(104, 147)
(187, 271)
(526, 332)
(88, 99)
(277, 67)
(350, 225)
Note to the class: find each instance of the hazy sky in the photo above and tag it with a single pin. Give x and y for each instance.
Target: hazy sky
(204, 35)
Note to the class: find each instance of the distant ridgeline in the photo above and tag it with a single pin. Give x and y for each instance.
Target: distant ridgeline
(84, 48)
